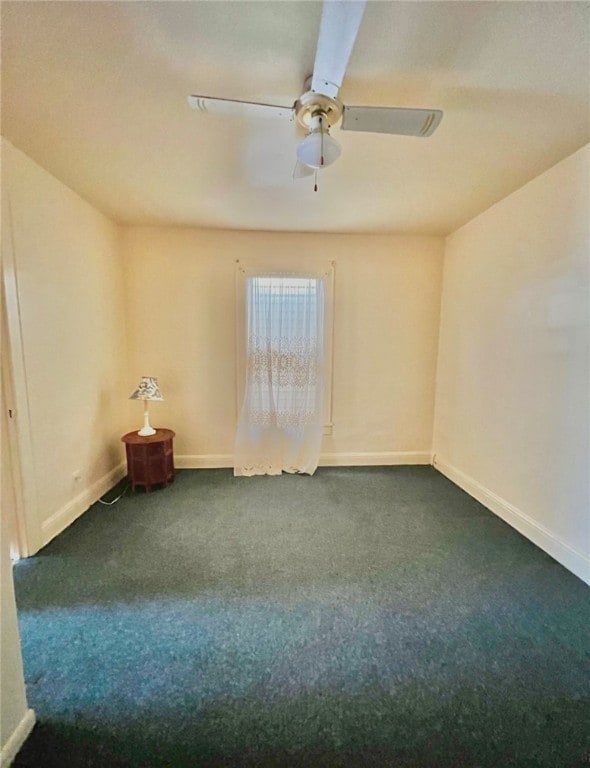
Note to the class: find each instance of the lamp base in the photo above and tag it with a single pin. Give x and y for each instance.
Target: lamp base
(146, 431)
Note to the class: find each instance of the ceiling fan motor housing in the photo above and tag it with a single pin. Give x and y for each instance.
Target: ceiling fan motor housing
(312, 104)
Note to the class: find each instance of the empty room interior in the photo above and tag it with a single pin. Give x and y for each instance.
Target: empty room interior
(295, 384)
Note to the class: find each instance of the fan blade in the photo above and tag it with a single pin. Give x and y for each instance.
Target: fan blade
(396, 120)
(301, 171)
(235, 108)
(339, 26)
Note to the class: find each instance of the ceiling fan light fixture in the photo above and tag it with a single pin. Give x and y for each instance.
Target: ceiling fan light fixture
(318, 149)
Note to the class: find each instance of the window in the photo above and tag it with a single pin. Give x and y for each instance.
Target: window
(284, 371)
(284, 348)
(294, 286)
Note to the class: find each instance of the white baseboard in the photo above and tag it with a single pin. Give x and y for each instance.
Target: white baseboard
(204, 461)
(218, 460)
(65, 516)
(17, 739)
(367, 458)
(576, 562)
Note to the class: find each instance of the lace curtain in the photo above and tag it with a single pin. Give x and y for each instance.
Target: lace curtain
(280, 425)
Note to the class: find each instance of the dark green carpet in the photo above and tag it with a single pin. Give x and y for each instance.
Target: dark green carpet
(362, 617)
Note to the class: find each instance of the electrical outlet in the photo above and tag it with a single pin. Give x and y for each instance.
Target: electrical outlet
(77, 475)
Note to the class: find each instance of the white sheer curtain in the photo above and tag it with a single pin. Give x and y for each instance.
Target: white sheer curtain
(280, 425)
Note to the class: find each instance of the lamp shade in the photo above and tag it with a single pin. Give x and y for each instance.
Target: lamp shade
(147, 389)
(318, 149)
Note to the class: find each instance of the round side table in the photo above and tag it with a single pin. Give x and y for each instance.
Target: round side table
(150, 460)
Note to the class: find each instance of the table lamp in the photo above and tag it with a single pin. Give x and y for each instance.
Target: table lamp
(147, 390)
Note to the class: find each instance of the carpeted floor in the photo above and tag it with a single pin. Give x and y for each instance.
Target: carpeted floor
(363, 617)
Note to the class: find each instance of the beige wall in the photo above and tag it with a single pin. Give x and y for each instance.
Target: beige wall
(512, 408)
(69, 296)
(182, 329)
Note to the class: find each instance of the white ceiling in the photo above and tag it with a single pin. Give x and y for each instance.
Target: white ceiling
(95, 92)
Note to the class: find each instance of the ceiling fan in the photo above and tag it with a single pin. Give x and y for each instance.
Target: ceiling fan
(319, 107)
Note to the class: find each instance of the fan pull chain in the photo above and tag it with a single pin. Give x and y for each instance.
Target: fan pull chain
(315, 186)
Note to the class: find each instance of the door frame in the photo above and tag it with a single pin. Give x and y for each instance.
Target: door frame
(15, 395)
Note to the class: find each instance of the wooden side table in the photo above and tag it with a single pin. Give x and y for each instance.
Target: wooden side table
(150, 460)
